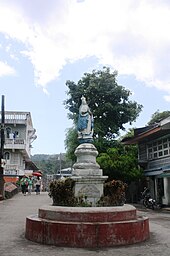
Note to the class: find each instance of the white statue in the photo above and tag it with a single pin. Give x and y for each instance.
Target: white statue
(85, 123)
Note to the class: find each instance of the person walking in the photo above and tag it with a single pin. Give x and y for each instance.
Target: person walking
(38, 185)
(30, 185)
(24, 185)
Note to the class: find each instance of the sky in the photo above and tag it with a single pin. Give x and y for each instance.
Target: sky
(44, 43)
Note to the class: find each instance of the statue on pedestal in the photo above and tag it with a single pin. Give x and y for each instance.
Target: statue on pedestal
(85, 123)
(86, 172)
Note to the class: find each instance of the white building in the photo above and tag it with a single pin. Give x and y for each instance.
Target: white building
(19, 135)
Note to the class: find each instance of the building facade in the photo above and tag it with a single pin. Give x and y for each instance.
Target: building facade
(154, 157)
(19, 135)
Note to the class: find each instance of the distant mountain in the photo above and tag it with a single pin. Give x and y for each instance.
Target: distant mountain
(50, 164)
(39, 157)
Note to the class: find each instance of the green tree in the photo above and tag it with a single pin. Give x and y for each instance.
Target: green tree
(158, 116)
(121, 163)
(108, 101)
(71, 143)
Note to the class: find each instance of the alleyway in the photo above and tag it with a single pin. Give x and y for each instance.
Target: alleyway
(13, 213)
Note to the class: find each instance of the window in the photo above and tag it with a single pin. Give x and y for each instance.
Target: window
(165, 152)
(7, 155)
(165, 145)
(155, 149)
(160, 154)
(155, 155)
(158, 149)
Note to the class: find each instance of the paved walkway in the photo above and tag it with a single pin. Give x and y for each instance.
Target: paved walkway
(13, 214)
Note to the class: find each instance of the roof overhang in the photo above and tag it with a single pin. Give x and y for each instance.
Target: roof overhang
(147, 136)
(150, 132)
(31, 165)
(141, 136)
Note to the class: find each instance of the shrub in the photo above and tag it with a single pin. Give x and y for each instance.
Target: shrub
(61, 192)
(114, 193)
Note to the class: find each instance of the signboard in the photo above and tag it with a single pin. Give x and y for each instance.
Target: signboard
(10, 172)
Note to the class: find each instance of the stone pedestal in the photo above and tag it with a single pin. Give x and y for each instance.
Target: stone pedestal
(87, 174)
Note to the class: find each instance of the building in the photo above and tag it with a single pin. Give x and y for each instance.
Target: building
(154, 157)
(19, 135)
(66, 173)
(63, 173)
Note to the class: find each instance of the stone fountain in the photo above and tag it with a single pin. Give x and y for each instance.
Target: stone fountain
(87, 226)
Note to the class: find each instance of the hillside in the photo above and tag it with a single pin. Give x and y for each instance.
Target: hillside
(50, 164)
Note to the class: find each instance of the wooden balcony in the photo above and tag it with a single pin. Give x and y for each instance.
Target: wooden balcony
(11, 167)
(16, 143)
(13, 170)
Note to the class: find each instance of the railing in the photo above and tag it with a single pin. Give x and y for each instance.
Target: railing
(15, 144)
(14, 141)
(11, 169)
(15, 117)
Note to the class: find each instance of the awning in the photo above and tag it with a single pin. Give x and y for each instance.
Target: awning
(153, 172)
(158, 172)
(164, 174)
(166, 169)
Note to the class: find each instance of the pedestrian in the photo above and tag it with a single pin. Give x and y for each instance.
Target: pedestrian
(38, 185)
(30, 185)
(24, 185)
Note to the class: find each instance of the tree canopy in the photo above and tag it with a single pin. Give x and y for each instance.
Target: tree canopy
(121, 163)
(108, 101)
(71, 142)
(158, 116)
(112, 109)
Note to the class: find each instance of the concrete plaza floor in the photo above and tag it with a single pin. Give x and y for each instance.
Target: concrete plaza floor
(13, 214)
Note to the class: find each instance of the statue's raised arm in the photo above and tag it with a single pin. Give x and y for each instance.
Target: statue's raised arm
(85, 123)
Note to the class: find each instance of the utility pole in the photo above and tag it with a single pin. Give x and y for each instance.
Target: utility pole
(2, 150)
(60, 164)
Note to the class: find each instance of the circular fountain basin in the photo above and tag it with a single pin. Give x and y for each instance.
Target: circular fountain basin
(87, 226)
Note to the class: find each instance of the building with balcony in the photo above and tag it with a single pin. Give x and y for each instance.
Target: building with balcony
(19, 135)
(154, 157)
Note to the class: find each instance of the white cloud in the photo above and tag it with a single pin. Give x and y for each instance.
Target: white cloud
(6, 70)
(167, 98)
(131, 36)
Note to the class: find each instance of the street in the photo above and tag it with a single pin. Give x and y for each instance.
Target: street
(13, 213)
